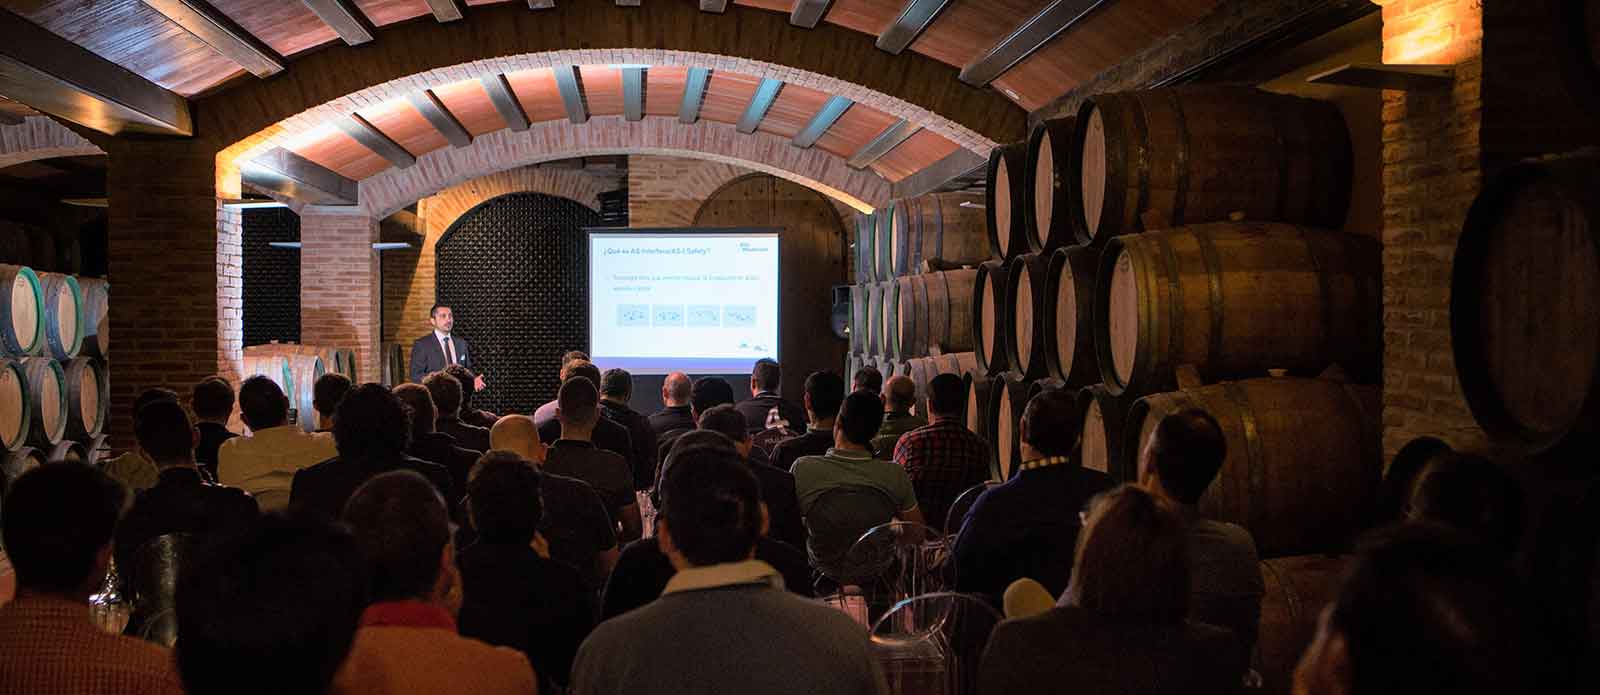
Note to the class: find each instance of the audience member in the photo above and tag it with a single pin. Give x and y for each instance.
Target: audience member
(616, 388)
(371, 431)
(1181, 458)
(133, 468)
(514, 595)
(1472, 494)
(674, 417)
(212, 403)
(607, 435)
(470, 414)
(576, 525)
(407, 641)
(867, 379)
(574, 455)
(271, 611)
(1394, 493)
(899, 395)
(835, 521)
(547, 412)
(824, 393)
(1120, 627)
(326, 394)
(728, 625)
(1026, 527)
(57, 530)
(431, 446)
(777, 486)
(765, 409)
(446, 392)
(264, 464)
(707, 392)
(944, 458)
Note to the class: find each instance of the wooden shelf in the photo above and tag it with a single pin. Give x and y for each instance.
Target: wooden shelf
(1405, 78)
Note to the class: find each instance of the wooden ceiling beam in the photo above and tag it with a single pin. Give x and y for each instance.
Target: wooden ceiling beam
(287, 174)
(889, 139)
(58, 77)
(760, 103)
(439, 116)
(820, 123)
(344, 18)
(933, 177)
(694, 93)
(10, 118)
(914, 18)
(717, 6)
(633, 80)
(1028, 37)
(505, 101)
(571, 93)
(216, 30)
(376, 140)
(446, 10)
(806, 13)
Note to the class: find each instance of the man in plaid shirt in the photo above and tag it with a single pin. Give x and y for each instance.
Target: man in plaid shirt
(944, 458)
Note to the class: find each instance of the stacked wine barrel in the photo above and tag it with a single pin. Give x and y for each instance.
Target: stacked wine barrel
(295, 369)
(53, 377)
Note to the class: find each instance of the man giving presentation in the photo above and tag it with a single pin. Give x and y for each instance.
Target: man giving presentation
(439, 349)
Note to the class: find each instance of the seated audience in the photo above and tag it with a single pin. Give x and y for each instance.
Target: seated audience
(867, 379)
(180, 501)
(765, 409)
(1394, 493)
(899, 395)
(271, 611)
(446, 392)
(1120, 627)
(431, 446)
(1427, 609)
(57, 530)
(1472, 494)
(264, 463)
(212, 403)
(723, 624)
(371, 432)
(574, 455)
(514, 595)
(674, 417)
(616, 387)
(777, 485)
(547, 412)
(944, 458)
(607, 435)
(407, 641)
(1180, 459)
(824, 393)
(576, 525)
(1027, 526)
(834, 527)
(470, 414)
(644, 570)
(326, 394)
(707, 392)
(133, 468)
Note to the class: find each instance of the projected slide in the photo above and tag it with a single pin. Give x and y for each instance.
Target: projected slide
(699, 301)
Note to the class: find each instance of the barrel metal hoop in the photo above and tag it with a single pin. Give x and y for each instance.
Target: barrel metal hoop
(1115, 197)
(1212, 267)
(1182, 192)
(1325, 294)
(1141, 139)
(938, 234)
(1252, 446)
(1174, 300)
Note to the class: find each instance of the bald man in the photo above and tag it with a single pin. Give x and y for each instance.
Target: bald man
(899, 394)
(517, 433)
(675, 418)
(576, 522)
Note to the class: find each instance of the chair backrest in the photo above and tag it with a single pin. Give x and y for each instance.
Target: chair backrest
(933, 643)
(912, 558)
(838, 519)
(963, 504)
(152, 581)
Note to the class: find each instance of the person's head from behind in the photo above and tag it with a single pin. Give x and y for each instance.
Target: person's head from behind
(867, 379)
(326, 394)
(708, 392)
(517, 434)
(446, 392)
(899, 394)
(262, 404)
(859, 419)
(824, 392)
(1472, 494)
(583, 368)
(711, 511)
(726, 420)
(288, 593)
(154, 395)
(467, 379)
(675, 389)
(1050, 425)
(684, 442)
(1132, 559)
(371, 425)
(505, 499)
(616, 385)
(1184, 453)
(165, 434)
(766, 375)
(420, 402)
(568, 358)
(1399, 480)
(578, 408)
(403, 528)
(212, 399)
(947, 396)
(441, 318)
(1425, 609)
(57, 528)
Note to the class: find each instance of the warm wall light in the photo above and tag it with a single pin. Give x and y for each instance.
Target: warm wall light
(1441, 32)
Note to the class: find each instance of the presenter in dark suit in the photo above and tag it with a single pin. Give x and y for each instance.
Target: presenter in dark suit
(439, 349)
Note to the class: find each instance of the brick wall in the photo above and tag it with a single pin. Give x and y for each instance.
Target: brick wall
(340, 289)
(668, 191)
(230, 292)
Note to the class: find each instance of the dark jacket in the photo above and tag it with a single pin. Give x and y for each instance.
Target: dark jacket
(673, 419)
(641, 438)
(440, 448)
(212, 435)
(607, 472)
(755, 409)
(785, 522)
(427, 355)
(607, 436)
(324, 488)
(813, 443)
(514, 598)
(479, 418)
(470, 437)
(180, 502)
(643, 571)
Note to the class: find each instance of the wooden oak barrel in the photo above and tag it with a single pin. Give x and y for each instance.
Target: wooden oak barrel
(1167, 157)
(1303, 463)
(1007, 398)
(1525, 304)
(874, 339)
(63, 315)
(96, 302)
(22, 325)
(1297, 589)
(14, 463)
(47, 401)
(922, 370)
(865, 242)
(989, 317)
(96, 449)
(1053, 163)
(1005, 200)
(1025, 306)
(1068, 325)
(274, 366)
(1234, 299)
(889, 318)
(957, 363)
(68, 451)
(977, 414)
(394, 364)
(88, 395)
(858, 318)
(16, 410)
(911, 325)
(936, 226)
(950, 295)
(1100, 448)
(304, 371)
(883, 244)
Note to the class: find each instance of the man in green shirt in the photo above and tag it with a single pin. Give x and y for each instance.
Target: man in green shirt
(899, 394)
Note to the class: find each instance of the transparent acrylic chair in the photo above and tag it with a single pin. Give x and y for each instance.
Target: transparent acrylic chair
(152, 583)
(930, 644)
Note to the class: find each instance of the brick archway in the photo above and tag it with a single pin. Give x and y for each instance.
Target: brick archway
(39, 137)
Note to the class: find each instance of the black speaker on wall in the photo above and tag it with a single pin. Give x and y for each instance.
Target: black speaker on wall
(514, 270)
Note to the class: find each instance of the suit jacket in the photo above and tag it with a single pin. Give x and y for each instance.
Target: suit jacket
(324, 488)
(427, 355)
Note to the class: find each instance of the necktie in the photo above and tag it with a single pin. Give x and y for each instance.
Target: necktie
(449, 350)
